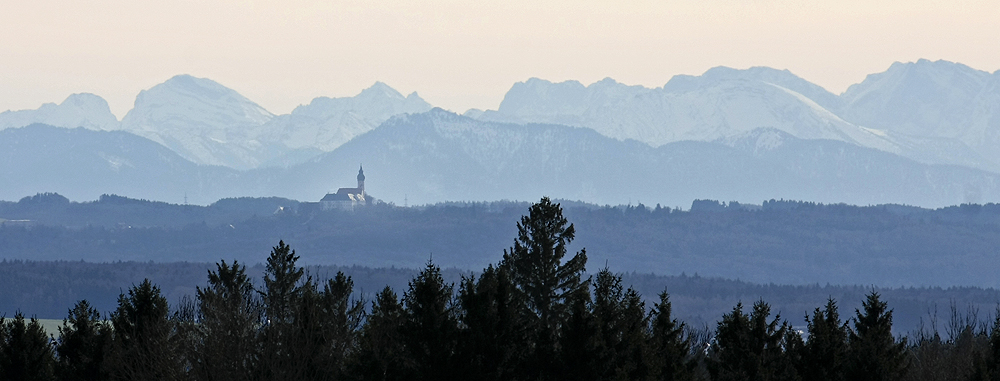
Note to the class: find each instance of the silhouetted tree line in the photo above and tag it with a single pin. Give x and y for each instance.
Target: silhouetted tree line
(532, 316)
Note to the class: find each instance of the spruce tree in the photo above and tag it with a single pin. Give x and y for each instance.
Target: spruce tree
(732, 355)
(304, 337)
(144, 347)
(494, 342)
(874, 355)
(579, 344)
(993, 350)
(430, 330)
(986, 366)
(281, 284)
(381, 352)
(325, 328)
(825, 355)
(619, 317)
(749, 347)
(790, 360)
(230, 314)
(25, 352)
(635, 360)
(669, 348)
(339, 326)
(540, 274)
(282, 296)
(83, 342)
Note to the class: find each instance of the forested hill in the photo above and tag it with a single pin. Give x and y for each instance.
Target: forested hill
(779, 242)
(48, 289)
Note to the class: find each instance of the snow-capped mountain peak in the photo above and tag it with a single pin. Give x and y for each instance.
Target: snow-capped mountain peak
(933, 112)
(373, 103)
(541, 101)
(923, 98)
(191, 103)
(326, 123)
(200, 119)
(380, 90)
(77, 110)
(783, 78)
(720, 103)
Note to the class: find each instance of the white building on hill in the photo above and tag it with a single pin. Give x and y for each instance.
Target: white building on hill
(346, 198)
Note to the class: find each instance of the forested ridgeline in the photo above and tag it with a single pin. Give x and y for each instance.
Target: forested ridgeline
(781, 242)
(113, 211)
(533, 315)
(44, 289)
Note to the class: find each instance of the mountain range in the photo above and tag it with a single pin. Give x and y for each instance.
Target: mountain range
(932, 112)
(210, 124)
(439, 155)
(921, 133)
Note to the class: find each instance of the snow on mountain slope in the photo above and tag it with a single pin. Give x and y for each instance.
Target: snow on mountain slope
(721, 104)
(932, 112)
(78, 110)
(720, 108)
(932, 100)
(326, 123)
(782, 78)
(210, 124)
(921, 99)
(438, 156)
(540, 101)
(201, 120)
(983, 131)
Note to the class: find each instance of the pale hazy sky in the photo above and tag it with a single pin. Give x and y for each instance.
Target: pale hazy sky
(462, 54)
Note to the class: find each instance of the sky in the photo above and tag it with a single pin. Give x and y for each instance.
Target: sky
(462, 54)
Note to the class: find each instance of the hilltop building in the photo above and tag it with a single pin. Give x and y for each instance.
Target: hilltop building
(346, 198)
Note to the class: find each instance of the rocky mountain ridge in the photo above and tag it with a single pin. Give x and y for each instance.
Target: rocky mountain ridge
(933, 112)
(939, 113)
(210, 124)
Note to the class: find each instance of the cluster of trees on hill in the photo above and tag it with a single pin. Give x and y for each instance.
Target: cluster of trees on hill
(115, 211)
(782, 242)
(532, 316)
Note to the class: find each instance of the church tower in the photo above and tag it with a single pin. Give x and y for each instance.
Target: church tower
(361, 180)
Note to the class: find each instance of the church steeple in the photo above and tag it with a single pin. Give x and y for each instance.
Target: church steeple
(361, 179)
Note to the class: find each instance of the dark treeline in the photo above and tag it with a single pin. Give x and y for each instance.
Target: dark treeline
(534, 315)
(783, 242)
(44, 289)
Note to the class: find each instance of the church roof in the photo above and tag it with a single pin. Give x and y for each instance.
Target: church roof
(336, 197)
(349, 191)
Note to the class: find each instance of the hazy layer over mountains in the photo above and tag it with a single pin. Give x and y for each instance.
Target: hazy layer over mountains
(922, 133)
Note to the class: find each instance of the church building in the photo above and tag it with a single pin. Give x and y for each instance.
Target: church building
(346, 198)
